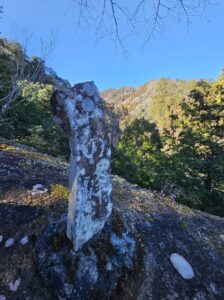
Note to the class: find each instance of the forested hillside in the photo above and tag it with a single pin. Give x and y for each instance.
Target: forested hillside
(167, 135)
(172, 139)
(154, 100)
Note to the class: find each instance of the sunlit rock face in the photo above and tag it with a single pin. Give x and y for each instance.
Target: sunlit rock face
(78, 110)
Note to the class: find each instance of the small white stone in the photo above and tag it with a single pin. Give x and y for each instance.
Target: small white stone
(9, 242)
(1, 238)
(24, 240)
(13, 286)
(182, 266)
(38, 186)
(2, 297)
(38, 189)
(222, 236)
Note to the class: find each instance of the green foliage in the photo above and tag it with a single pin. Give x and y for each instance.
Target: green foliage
(138, 153)
(191, 162)
(31, 122)
(155, 101)
(28, 118)
(166, 102)
(200, 145)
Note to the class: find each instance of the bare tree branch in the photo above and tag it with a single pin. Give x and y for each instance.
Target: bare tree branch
(152, 15)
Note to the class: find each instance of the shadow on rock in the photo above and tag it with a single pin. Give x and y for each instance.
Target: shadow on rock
(130, 258)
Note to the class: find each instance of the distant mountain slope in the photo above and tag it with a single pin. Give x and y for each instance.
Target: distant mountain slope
(154, 100)
(131, 102)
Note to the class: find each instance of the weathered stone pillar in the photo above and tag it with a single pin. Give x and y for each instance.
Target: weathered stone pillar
(79, 111)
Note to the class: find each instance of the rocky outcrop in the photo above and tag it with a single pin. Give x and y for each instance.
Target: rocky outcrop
(150, 247)
(79, 111)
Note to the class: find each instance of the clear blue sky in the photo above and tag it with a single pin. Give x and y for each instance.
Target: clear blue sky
(196, 52)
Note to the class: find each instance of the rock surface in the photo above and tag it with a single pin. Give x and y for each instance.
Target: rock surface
(79, 111)
(129, 259)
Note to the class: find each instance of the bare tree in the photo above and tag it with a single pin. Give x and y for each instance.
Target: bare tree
(22, 71)
(141, 17)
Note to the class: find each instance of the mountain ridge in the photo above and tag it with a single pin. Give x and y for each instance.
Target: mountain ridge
(154, 101)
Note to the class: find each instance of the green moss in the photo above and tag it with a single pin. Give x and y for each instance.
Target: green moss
(22, 152)
(146, 208)
(183, 225)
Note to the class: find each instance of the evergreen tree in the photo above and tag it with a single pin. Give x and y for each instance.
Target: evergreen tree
(138, 154)
(199, 149)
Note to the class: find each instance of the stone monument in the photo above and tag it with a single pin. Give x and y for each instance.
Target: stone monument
(78, 110)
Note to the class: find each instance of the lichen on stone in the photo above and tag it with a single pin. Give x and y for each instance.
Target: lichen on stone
(80, 109)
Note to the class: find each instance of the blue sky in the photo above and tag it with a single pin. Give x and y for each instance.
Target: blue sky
(180, 52)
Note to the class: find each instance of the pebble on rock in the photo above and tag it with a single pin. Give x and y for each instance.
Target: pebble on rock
(13, 286)
(9, 242)
(182, 266)
(24, 240)
(38, 189)
(1, 238)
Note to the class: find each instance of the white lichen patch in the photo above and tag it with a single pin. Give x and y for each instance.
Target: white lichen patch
(90, 89)
(222, 237)
(1, 238)
(69, 108)
(88, 105)
(84, 121)
(124, 244)
(24, 240)
(108, 152)
(98, 113)
(102, 167)
(13, 286)
(109, 267)
(78, 98)
(88, 268)
(71, 210)
(9, 242)
(82, 171)
(182, 266)
(85, 224)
